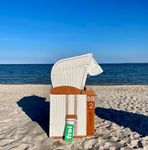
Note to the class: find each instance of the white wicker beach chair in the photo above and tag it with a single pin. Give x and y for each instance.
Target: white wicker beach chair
(68, 99)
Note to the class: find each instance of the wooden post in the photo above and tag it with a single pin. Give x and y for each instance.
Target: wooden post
(90, 112)
(90, 115)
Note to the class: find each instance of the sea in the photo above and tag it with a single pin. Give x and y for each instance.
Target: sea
(114, 74)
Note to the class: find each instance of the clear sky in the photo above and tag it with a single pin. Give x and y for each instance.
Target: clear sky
(43, 31)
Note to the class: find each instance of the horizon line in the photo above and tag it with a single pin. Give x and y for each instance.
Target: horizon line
(54, 63)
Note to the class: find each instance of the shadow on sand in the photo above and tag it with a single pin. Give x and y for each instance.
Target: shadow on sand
(136, 122)
(37, 108)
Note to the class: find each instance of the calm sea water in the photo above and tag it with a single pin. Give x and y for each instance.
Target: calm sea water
(40, 74)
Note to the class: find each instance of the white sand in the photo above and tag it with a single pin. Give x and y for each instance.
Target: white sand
(121, 120)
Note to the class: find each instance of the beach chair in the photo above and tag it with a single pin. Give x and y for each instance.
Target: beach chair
(70, 104)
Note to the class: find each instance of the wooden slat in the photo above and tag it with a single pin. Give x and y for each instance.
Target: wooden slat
(88, 92)
(75, 112)
(90, 115)
(61, 137)
(65, 90)
(71, 116)
(70, 90)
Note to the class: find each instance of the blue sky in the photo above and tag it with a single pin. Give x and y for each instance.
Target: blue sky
(43, 31)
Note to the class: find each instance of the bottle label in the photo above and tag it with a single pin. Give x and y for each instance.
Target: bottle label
(69, 132)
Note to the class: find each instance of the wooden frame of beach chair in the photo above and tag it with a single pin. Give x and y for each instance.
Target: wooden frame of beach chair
(89, 104)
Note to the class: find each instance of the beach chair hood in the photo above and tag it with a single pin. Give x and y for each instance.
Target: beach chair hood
(73, 71)
(93, 68)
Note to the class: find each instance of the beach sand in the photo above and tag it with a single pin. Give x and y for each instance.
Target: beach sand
(121, 119)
